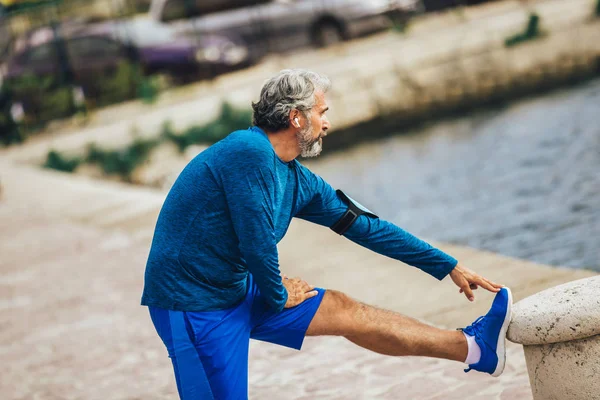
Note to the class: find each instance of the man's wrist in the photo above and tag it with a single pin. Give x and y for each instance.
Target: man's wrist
(452, 264)
(455, 267)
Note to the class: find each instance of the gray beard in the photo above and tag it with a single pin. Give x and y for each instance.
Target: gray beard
(308, 147)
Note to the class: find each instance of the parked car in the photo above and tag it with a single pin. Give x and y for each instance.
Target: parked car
(162, 50)
(46, 63)
(99, 60)
(283, 24)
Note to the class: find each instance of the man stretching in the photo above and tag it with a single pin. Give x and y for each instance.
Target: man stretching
(213, 281)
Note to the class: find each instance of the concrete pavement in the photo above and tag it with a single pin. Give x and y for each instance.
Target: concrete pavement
(73, 254)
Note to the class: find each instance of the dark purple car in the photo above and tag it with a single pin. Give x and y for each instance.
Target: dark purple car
(162, 50)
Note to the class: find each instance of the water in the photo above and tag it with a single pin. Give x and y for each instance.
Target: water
(523, 181)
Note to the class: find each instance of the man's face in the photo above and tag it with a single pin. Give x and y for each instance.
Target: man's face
(310, 138)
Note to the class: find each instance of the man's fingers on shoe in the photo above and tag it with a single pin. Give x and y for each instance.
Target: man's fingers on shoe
(488, 285)
(495, 285)
(468, 293)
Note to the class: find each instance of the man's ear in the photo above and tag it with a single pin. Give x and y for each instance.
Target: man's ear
(294, 117)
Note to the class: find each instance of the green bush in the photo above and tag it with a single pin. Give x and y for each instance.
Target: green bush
(58, 102)
(230, 119)
(44, 98)
(30, 82)
(597, 11)
(400, 26)
(235, 118)
(533, 26)
(56, 161)
(123, 85)
(532, 31)
(123, 162)
(148, 89)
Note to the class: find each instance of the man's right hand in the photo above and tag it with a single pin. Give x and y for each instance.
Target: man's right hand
(298, 291)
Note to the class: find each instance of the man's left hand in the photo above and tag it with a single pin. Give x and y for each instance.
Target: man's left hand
(468, 281)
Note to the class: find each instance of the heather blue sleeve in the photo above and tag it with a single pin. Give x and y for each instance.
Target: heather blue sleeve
(248, 185)
(375, 234)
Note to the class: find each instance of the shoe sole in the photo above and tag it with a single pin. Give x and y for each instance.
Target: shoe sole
(501, 345)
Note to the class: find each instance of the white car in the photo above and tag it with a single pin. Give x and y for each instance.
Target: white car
(283, 24)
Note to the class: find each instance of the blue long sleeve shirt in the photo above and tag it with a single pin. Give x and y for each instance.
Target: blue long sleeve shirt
(225, 214)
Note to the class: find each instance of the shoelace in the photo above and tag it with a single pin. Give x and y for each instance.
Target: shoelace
(476, 327)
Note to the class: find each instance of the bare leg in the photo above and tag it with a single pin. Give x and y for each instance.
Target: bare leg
(384, 332)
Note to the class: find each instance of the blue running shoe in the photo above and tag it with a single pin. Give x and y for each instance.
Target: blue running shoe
(490, 334)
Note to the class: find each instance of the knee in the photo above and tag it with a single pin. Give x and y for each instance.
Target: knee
(338, 298)
(335, 316)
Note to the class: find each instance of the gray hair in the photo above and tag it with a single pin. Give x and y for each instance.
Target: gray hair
(290, 89)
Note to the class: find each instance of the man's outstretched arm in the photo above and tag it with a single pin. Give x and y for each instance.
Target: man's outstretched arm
(383, 237)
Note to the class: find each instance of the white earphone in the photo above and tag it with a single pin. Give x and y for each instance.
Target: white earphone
(297, 124)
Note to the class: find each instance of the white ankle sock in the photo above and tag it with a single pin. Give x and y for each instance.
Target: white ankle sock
(474, 354)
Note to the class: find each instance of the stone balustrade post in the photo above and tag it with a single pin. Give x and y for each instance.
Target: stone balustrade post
(559, 329)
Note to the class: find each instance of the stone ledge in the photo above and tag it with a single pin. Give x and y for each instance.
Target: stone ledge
(567, 312)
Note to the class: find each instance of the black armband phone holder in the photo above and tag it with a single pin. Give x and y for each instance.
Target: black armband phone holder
(354, 211)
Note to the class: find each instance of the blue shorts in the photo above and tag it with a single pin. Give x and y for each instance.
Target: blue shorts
(209, 350)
